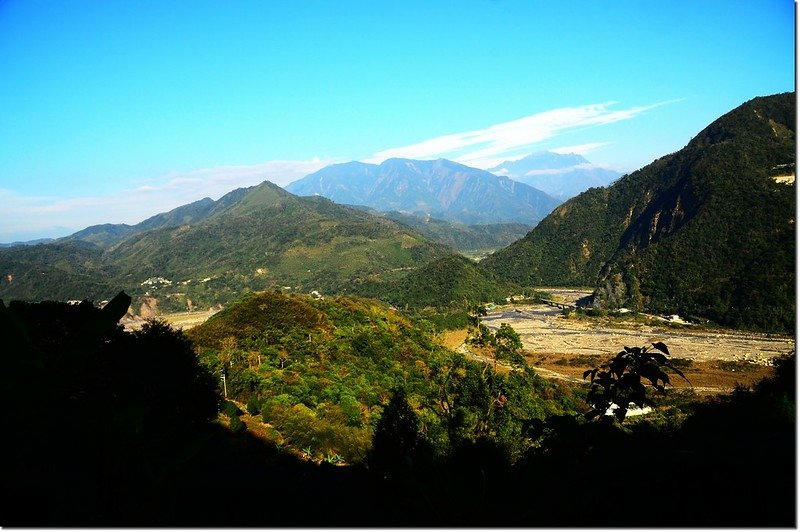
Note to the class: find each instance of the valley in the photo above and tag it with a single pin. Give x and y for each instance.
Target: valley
(178, 320)
(557, 347)
(713, 360)
(398, 264)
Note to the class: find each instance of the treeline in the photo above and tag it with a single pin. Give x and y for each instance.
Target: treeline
(321, 371)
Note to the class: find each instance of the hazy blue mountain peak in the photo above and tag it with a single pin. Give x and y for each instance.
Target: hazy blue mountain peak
(560, 175)
(440, 188)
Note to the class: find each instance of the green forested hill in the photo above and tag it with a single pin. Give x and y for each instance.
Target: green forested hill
(706, 231)
(451, 282)
(57, 271)
(321, 372)
(567, 248)
(464, 238)
(720, 242)
(107, 235)
(273, 238)
(263, 237)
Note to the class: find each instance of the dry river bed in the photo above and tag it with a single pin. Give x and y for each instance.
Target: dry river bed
(713, 360)
(179, 320)
(563, 348)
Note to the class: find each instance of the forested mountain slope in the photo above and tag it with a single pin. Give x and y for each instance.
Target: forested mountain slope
(263, 237)
(58, 271)
(461, 237)
(707, 231)
(106, 235)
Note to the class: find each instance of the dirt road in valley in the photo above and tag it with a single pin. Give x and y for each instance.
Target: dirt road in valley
(562, 347)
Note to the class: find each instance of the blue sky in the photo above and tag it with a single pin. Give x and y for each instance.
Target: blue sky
(113, 111)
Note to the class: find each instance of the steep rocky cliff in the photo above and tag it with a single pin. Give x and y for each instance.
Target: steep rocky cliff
(707, 231)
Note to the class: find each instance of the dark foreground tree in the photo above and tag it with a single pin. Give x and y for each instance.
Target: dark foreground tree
(99, 415)
(617, 384)
(396, 437)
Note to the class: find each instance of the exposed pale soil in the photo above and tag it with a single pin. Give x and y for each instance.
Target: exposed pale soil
(558, 347)
(179, 320)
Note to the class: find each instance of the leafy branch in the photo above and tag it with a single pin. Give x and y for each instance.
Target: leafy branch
(619, 381)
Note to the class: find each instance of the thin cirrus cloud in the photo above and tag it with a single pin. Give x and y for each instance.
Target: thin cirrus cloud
(580, 149)
(222, 179)
(487, 147)
(31, 217)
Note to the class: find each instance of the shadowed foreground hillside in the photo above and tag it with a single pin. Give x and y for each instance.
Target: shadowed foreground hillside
(110, 428)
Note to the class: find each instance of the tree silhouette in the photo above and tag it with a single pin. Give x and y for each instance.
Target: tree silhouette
(618, 383)
(396, 437)
(100, 415)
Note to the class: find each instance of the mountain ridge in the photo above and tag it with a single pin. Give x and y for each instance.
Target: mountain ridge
(255, 238)
(680, 235)
(442, 189)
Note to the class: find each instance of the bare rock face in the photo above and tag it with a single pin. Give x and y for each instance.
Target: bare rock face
(707, 231)
(148, 308)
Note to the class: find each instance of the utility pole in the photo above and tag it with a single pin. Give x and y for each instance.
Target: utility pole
(224, 385)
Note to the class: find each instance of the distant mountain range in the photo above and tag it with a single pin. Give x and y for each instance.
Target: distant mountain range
(441, 189)
(708, 231)
(211, 252)
(27, 242)
(560, 175)
(467, 239)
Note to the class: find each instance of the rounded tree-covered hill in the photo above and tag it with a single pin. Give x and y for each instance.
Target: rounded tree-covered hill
(320, 372)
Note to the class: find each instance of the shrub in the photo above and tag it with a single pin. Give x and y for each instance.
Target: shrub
(282, 400)
(230, 409)
(303, 429)
(237, 425)
(253, 406)
(352, 409)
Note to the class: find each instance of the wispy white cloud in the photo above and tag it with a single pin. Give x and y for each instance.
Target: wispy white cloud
(564, 170)
(30, 217)
(484, 148)
(580, 149)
